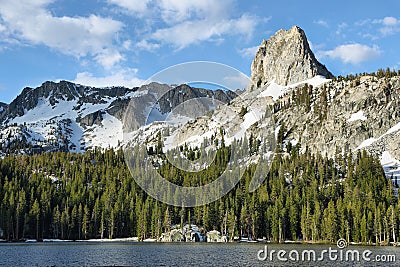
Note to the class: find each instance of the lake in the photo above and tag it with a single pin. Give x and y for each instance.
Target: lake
(183, 254)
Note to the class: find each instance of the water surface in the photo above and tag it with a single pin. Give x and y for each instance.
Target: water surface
(175, 254)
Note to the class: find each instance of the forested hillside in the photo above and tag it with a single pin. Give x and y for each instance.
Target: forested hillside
(93, 195)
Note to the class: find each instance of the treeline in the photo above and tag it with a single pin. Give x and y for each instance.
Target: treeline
(93, 195)
(380, 73)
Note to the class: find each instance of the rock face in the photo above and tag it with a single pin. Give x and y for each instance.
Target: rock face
(357, 114)
(286, 58)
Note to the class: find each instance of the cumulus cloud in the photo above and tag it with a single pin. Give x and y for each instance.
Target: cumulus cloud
(184, 23)
(30, 22)
(390, 21)
(352, 53)
(126, 77)
(194, 31)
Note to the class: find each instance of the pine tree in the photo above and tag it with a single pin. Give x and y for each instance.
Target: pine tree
(35, 213)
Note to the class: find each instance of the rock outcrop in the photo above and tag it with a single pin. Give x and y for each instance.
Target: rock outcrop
(189, 233)
(286, 58)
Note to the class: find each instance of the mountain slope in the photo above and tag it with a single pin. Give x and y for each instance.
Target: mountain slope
(69, 117)
(332, 117)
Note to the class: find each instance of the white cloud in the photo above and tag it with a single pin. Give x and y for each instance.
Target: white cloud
(389, 30)
(137, 6)
(183, 23)
(352, 53)
(147, 46)
(30, 22)
(126, 77)
(109, 58)
(390, 21)
(322, 22)
(173, 11)
(249, 52)
(190, 32)
(341, 27)
(390, 25)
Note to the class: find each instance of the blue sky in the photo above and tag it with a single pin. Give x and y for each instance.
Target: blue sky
(124, 42)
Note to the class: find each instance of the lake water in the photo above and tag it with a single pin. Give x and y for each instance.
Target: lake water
(178, 254)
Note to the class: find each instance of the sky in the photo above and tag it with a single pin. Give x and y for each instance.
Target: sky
(124, 42)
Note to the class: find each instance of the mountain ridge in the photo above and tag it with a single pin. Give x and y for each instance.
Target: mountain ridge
(71, 117)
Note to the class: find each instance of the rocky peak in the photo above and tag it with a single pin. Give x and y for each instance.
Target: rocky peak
(286, 58)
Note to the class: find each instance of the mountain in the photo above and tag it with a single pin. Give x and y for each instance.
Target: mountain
(179, 141)
(311, 109)
(333, 116)
(297, 100)
(69, 117)
(286, 58)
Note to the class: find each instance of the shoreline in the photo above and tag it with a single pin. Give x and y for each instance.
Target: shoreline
(151, 240)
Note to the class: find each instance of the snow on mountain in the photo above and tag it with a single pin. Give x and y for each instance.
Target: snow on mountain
(45, 111)
(391, 166)
(107, 134)
(69, 117)
(62, 116)
(275, 90)
(370, 141)
(357, 116)
(366, 143)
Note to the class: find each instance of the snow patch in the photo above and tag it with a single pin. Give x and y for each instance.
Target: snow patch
(370, 141)
(394, 129)
(387, 159)
(45, 111)
(315, 81)
(275, 90)
(357, 116)
(391, 166)
(366, 143)
(89, 108)
(109, 134)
